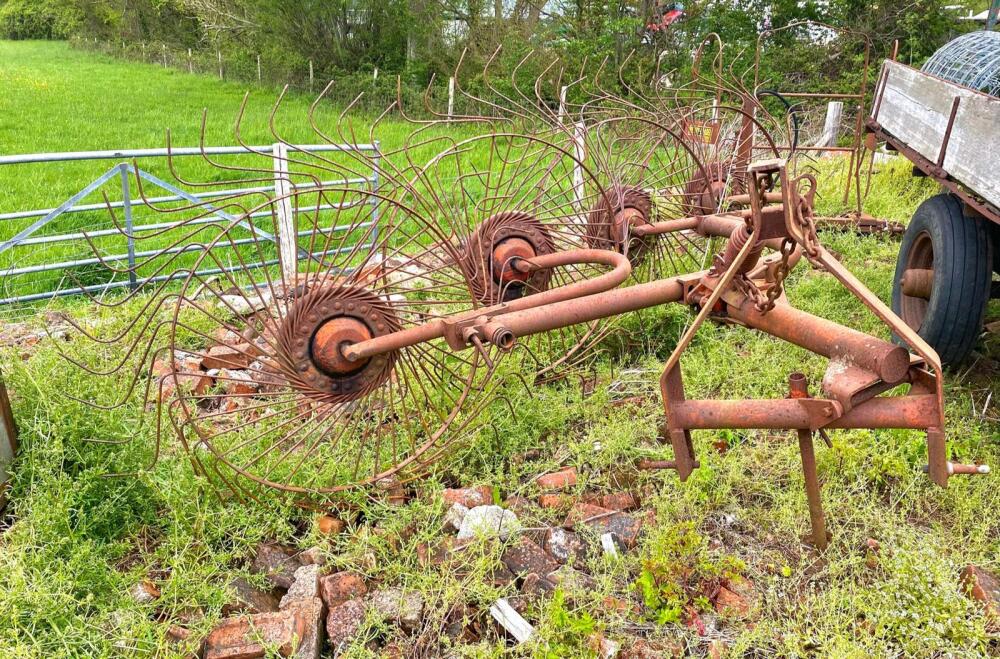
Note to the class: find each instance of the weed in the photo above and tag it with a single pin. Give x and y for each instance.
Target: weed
(679, 571)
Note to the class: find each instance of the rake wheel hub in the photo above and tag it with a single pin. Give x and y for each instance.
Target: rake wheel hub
(610, 222)
(315, 332)
(491, 249)
(504, 255)
(330, 340)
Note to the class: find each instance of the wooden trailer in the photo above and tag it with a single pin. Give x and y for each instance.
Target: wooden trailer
(951, 248)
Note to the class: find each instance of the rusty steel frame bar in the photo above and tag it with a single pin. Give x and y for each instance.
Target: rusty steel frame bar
(912, 412)
(437, 329)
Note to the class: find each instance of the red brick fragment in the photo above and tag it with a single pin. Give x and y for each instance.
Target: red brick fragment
(248, 637)
(329, 525)
(277, 564)
(236, 357)
(555, 500)
(518, 504)
(470, 497)
(726, 601)
(526, 557)
(248, 599)
(309, 612)
(237, 383)
(603, 521)
(343, 623)
(584, 512)
(984, 587)
(620, 501)
(557, 480)
(335, 589)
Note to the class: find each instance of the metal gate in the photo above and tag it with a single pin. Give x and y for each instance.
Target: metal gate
(53, 255)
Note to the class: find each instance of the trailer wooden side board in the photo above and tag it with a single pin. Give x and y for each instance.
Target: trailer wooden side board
(953, 126)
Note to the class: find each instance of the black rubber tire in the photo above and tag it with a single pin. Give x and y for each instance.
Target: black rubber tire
(962, 263)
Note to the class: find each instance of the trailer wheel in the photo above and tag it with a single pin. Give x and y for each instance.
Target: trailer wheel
(943, 275)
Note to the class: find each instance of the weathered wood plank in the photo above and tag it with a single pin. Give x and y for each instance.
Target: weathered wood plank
(915, 108)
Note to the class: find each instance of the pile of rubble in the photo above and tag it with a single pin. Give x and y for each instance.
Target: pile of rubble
(237, 369)
(310, 611)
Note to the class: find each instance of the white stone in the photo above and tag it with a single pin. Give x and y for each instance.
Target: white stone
(489, 521)
(453, 518)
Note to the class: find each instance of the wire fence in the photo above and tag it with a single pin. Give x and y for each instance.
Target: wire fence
(376, 90)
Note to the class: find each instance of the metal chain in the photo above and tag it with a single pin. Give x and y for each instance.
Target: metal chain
(764, 302)
(780, 273)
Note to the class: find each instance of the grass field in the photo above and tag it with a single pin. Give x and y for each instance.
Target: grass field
(75, 541)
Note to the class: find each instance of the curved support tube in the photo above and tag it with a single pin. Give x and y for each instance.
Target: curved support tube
(619, 262)
(436, 329)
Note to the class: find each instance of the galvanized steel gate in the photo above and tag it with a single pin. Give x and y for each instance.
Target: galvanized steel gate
(30, 252)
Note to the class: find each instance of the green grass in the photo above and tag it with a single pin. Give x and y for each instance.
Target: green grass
(76, 540)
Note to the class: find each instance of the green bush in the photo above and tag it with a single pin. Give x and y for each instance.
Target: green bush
(37, 19)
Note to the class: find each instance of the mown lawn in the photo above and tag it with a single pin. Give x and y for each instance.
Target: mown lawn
(76, 539)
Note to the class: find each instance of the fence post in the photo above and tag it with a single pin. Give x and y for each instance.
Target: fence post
(143, 51)
(831, 126)
(129, 233)
(310, 75)
(219, 53)
(164, 55)
(288, 251)
(562, 104)
(451, 98)
(580, 151)
(190, 62)
(258, 70)
(375, 183)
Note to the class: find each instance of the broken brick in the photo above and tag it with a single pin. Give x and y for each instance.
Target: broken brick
(145, 592)
(393, 489)
(470, 497)
(563, 545)
(728, 602)
(526, 557)
(234, 357)
(557, 480)
(277, 564)
(329, 525)
(248, 599)
(313, 556)
(236, 383)
(343, 623)
(984, 587)
(583, 512)
(536, 586)
(620, 501)
(248, 637)
(309, 612)
(500, 575)
(440, 552)
(335, 589)
(454, 517)
(603, 521)
(404, 607)
(305, 586)
(555, 500)
(520, 505)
